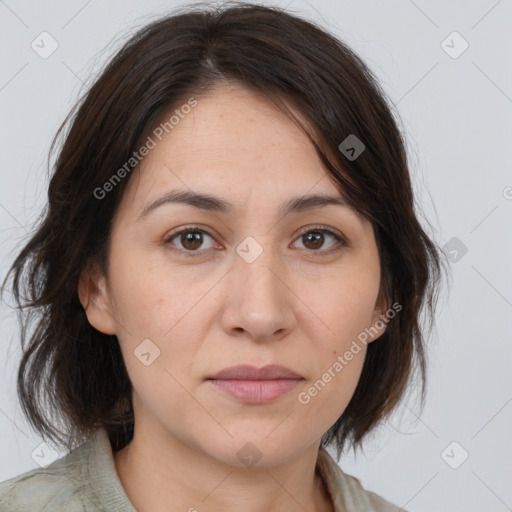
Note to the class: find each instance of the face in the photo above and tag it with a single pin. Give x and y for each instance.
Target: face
(191, 291)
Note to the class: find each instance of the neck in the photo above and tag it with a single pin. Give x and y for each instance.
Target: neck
(180, 477)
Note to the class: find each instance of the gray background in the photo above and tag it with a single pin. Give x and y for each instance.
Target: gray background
(456, 114)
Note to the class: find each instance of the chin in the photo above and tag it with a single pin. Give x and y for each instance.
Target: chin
(257, 450)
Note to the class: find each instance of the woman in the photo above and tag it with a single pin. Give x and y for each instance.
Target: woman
(228, 277)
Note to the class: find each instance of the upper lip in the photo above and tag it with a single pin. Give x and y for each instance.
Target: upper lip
(248, 372)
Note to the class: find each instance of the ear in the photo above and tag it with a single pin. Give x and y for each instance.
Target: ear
(379, 319)
(94, 297)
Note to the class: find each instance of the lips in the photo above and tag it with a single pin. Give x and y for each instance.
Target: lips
(253, 385)
(247, 372)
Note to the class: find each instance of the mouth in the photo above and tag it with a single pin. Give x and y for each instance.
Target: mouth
(253, 385)
(256, 391)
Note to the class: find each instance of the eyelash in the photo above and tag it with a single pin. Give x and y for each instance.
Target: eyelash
(341, 242)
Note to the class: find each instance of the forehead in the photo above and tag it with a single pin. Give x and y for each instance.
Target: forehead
(234, 143)
(233, 124)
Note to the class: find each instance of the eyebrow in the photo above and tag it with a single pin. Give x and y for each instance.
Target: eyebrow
(211, 203)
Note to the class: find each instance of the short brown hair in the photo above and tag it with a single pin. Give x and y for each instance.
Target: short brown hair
(76, 373)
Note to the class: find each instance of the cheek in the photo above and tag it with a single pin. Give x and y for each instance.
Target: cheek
(325, 398)
(346, 307)
(153, 304)
(149, 298)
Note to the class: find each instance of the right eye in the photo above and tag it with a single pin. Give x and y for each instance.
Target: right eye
(190, 238)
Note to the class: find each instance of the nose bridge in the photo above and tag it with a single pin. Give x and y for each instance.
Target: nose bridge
(256, 267)
(259, 298)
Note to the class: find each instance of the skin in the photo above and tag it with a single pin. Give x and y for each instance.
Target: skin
(214, 310)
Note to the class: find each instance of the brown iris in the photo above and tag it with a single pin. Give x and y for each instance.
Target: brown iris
(194, 238)
(315, 237)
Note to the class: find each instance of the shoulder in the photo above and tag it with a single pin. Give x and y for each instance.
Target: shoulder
(60, 487)
(347, 491)
(359, 493)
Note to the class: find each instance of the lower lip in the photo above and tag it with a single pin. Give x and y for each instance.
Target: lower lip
(256, 391)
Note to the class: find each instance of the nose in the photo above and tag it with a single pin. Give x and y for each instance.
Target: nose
(260, 303)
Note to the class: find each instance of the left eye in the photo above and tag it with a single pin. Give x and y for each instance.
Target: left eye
(316, 237)
(191, 239)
